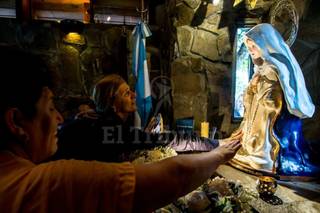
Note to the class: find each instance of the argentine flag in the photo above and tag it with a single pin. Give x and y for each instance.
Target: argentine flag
(140, 71)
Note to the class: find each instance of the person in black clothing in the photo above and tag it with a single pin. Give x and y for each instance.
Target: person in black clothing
(110, 134)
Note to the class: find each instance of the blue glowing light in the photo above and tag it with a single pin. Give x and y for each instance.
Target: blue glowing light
(294, 151)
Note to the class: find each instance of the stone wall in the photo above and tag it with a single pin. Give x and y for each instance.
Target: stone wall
(194, 40)
(76, 65)
(307, 51)
(201, 70)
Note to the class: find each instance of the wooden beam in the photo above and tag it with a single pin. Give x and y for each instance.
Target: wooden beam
(71, 7)
(23, 10)
(62, 1)
(117, 4)
(116, 11)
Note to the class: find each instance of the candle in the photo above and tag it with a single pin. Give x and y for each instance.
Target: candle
(205, 129)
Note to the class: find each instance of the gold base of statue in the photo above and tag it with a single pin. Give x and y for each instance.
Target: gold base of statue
(245, 168)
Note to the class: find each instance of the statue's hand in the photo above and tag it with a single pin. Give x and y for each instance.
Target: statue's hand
(254, 83)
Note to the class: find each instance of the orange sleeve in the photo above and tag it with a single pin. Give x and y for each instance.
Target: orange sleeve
(80, 186)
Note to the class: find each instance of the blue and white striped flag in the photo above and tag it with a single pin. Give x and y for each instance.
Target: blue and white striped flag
(140, 71)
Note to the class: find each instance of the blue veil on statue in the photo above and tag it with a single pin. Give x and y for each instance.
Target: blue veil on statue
(276, 51)
(294, 155)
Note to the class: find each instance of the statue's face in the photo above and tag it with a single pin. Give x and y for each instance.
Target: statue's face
(253, 49)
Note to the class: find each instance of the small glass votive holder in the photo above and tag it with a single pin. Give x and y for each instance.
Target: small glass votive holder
(266, 186)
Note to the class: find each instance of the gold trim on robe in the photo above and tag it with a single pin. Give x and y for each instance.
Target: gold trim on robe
(263, 101)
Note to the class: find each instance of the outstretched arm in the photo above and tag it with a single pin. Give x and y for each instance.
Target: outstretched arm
(158, 184)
